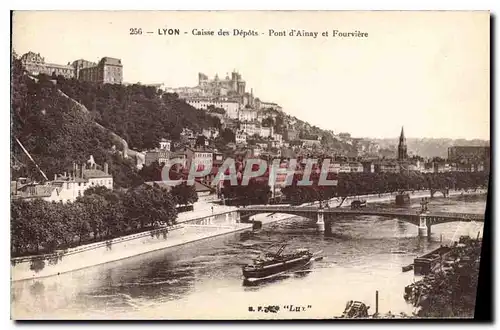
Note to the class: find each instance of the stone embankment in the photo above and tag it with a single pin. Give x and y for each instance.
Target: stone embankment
(192, 226)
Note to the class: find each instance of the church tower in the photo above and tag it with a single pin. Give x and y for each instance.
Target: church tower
(402, 150)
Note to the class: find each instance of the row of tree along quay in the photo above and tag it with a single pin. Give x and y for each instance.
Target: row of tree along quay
(357, 184)
(41, 227)
(450, 291)
(258, 190)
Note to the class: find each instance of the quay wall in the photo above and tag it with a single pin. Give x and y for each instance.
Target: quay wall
(24, 268)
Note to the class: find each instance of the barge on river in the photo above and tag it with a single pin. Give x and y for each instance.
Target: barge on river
(276, 263)
(429, 262)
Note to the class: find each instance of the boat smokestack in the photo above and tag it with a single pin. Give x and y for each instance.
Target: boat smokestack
(376, 302)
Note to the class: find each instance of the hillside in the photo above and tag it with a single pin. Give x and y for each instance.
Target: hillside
(61, 121)
(429, 148)
(141, 115)
(56, 132)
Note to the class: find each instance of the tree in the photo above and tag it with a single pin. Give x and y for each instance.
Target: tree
(268, 122)
(200, 141)
(228, 135)
(147, 206)
(184, 194)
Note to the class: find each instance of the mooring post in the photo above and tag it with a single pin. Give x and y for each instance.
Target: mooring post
(376, 302)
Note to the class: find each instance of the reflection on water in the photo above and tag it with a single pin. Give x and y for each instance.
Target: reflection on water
(204, 279)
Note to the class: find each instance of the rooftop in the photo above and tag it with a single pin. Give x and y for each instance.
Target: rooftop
(110, 61)
(95, 173)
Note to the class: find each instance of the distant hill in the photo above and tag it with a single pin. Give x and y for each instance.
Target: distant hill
(427, 147)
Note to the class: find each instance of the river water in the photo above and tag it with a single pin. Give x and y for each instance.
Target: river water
(203, 280)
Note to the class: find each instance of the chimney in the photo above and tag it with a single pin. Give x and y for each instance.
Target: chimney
(106, 168)
(65, 174)
(55, 177)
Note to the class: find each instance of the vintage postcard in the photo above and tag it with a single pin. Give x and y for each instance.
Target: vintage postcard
(248, 165)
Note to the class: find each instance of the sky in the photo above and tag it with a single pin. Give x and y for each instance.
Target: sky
(426, 71)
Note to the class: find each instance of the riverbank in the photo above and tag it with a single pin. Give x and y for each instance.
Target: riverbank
(190, 228)
(451, 289)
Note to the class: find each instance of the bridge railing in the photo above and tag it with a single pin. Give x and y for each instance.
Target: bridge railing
(288, 209)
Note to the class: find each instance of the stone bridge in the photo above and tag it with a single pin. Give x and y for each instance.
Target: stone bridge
(325, 216)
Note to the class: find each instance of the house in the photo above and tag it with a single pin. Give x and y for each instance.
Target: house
(387, 167)
(66, 187)
(165, 144)
(200, 158)
(241, 137)
(159, 155)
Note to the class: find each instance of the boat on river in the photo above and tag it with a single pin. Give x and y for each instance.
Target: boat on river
(276, 263)
(429, 262)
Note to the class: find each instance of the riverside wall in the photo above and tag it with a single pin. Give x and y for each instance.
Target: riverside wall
(25, 268)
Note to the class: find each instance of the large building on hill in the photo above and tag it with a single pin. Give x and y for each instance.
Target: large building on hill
(219, 87)
(233, 86)
(107, 71)
(35, 64)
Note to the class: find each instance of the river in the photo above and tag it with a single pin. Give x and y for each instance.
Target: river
(203, 280)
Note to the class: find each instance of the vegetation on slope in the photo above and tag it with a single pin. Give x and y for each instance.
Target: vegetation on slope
(142, 115)
(55, 133)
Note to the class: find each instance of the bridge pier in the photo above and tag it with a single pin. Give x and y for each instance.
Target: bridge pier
(321, 220)
(424, 228)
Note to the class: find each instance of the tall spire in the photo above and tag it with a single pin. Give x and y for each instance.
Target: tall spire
(402, 149)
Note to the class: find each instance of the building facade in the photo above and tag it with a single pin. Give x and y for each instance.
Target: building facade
(35, 64)
(109, 70)
(66, 187)
(468, 154)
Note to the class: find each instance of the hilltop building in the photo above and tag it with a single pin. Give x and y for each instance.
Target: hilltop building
(107, 71)
(217, 87)
(35, 64)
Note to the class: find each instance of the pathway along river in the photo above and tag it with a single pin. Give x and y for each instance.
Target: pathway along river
(204, 279)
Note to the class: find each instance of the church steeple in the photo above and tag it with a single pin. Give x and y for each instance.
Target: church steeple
(402, 150)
